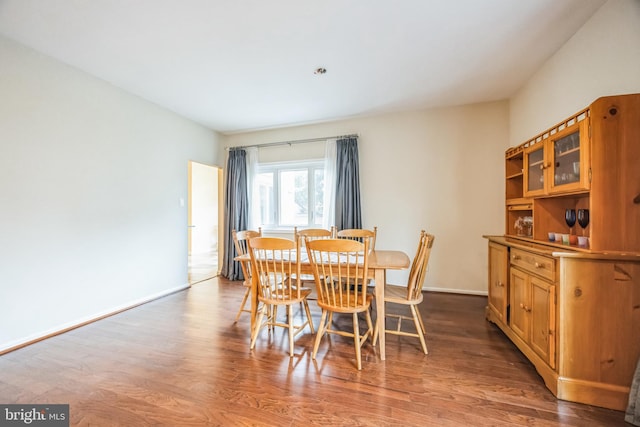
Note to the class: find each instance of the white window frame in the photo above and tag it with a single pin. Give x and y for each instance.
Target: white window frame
(276, 167)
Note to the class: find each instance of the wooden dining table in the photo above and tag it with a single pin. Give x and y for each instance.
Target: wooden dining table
(379, 262)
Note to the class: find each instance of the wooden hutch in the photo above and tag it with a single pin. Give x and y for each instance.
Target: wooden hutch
(573, 308)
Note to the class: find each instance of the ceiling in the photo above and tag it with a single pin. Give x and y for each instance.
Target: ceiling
(238, 65)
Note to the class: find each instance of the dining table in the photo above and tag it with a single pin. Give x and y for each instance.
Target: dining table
(380, 261)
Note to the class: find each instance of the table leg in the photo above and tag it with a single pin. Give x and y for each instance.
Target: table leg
(380, 319)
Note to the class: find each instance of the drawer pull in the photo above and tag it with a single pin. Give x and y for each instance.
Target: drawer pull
(539, 265)
(515, 257)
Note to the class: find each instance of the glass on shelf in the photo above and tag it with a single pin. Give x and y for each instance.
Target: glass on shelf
(583, 221)
(524, 226)
(566, 151)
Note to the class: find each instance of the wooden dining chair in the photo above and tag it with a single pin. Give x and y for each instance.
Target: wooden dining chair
(411, 294)
(335, 261)
(273, 261)
(360, 234)
(305, 234)
(241, 243)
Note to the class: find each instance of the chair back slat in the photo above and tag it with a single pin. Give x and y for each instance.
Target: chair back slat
(273, 260)
(337, 264)
(419, 266)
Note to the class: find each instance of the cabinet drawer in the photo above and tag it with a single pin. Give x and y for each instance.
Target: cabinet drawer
(536, 264)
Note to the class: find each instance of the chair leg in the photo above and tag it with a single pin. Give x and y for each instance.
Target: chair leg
(321, 330)
(371, 330)
(375, 333)
(258, 327)
(424, 331)
(274, 316)
(416, 320)
(291, 331)
(243, 303)
(306, 309)
(356, 340)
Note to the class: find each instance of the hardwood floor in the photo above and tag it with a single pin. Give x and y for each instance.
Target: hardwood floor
(181, 361)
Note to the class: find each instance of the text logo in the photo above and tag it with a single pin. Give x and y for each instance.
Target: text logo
(34, 415)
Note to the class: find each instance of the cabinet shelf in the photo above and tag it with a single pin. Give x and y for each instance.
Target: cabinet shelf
(515, 175)
(568, 152)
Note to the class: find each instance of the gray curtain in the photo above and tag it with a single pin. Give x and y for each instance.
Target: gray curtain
(348, 212)
(633, 410)
(236, 210)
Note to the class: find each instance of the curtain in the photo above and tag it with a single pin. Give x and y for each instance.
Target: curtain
(348, 212)
(235, 210)
(253, 188)
(329, 198)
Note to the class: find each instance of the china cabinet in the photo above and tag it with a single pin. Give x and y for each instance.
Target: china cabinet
(588, 161)
(573, 306)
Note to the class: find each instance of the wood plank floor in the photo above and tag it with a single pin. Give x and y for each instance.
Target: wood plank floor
(181, 361)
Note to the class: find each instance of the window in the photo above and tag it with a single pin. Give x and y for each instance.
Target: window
(291, 194)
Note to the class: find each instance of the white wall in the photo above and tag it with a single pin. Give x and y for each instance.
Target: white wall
(602, 58)
(441, 170)
(91, 180)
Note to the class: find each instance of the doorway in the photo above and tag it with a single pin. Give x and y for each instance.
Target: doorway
(203, 217)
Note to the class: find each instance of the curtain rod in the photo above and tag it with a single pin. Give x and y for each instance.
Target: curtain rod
(297, 141)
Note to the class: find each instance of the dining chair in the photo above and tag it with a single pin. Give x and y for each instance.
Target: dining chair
(411, 294)
(360, 234)
(335, 261)
(273, 260)
(241, 243)
(305, 234)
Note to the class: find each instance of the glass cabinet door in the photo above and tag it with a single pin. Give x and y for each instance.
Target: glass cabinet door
(566, 159)
(569, 163)
(534, 170)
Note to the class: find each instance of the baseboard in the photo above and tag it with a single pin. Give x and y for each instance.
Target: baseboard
(455, 291)
(14, 345)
